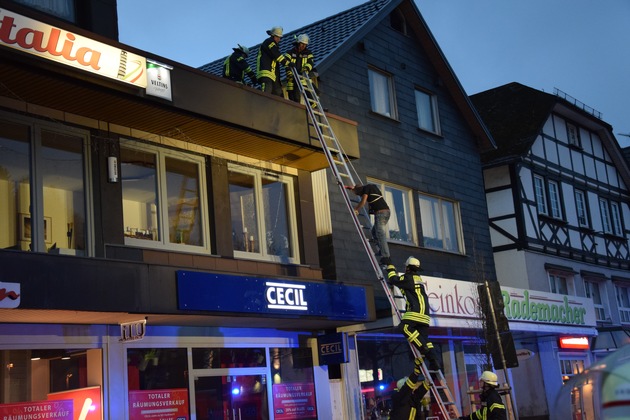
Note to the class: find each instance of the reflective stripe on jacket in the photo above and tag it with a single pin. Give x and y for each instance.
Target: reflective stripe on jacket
(268, 59)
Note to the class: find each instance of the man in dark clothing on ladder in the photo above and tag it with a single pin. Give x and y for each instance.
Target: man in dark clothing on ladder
(370, 194)
(415, 321)
(407, 400)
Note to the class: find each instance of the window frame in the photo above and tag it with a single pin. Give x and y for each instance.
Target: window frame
(548, 197)
(407, 194)
(555, 199)
(581, 209)
(601, 308)
(263, 255)
(540, 196)
(615, 213)
(389, 95)
(163, 220)
(569, 282)
(456, 223)
(573, 135)
(433, 109)
(622, 295)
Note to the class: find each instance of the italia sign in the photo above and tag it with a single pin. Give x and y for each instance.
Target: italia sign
(52, 43)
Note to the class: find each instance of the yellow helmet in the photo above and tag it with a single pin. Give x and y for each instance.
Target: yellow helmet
(275, 31)
(412, 261)
(490, 378)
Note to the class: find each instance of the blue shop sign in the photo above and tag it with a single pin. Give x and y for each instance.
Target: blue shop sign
(332, 349)
(198, 291)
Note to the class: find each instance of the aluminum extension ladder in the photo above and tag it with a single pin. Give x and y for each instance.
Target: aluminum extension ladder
(340, 166)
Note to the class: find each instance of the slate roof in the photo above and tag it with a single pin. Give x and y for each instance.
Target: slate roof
(514, 114)
(326, 36)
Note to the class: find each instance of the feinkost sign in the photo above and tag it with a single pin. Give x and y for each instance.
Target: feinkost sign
(46, 41)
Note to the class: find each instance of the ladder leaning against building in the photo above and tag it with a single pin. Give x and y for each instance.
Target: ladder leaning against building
(341, 169)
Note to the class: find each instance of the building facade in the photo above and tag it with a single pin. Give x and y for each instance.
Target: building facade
(558, 201)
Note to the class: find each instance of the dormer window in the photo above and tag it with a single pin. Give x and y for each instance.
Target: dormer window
(398, 22)
(573, 134)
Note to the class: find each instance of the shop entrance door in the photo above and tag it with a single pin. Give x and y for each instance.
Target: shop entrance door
(231, 397)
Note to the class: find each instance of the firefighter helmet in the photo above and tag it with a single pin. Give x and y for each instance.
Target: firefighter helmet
(303, 39)
(413, 262)
(490, 378)
(275, 31)
(244, 49)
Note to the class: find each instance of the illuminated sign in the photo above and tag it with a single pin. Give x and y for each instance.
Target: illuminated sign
(85, 402)
(61, 410)
(332, 349)
(52, 43)
(580, 343)
(132, 331)
(9, 295)
(282, 298)
(292, 401)
(162, 404)
(159, 80)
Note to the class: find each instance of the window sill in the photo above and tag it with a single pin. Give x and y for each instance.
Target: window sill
(552, 219)
(383, 116)
(430, 133)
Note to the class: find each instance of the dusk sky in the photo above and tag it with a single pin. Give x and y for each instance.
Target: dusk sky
(581, 47)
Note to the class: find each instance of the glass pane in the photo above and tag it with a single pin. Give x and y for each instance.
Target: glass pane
(540, 195)
(450, 227)
(150, 368)
(60, 8)
(379, 93)
(61, 168)
(399, 224)
(214, 358)
(431, 222)
(293, 385)
(182, 188)
(139, 187)
(425, 111)
(244, 212)
(242, 397)
(274, 196)
(15, 200)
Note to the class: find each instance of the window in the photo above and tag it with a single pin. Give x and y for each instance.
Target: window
(263, 215)
(441, 225)
(163, 197)
(44, 183)
(398, 22)
(426, 107)
(573, 134)
(570, 367)
(561, 283)
(623, 301)
(400, 225)
(580, 206)
(547, 197)
(382, 93)
(611, 217)
(539, 191)
(63, 9)
(554, 200)
(594, 290)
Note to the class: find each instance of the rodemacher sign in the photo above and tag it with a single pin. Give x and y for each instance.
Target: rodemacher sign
(46, 41)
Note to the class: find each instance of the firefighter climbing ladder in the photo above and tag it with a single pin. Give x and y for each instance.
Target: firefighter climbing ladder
(340, 166)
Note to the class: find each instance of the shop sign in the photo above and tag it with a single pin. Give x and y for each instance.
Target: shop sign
(524, 354)
(159, 80)
(133, 331)
(162, 404)
(9, 295)
(52, 43)
(294, 401)
(333, 349)
(576, 343)
(85, 402)
(458, 299)
(61, 410)
(240, 294)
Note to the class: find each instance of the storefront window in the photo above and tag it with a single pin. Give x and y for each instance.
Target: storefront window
(215, 358)
(32, 378)
(293, 384)
(158, 380)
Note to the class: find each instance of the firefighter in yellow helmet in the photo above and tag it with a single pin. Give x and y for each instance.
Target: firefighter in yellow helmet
(410, 390)
(301, 60)
(492, 407)
(268, 61)
(415, 321)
